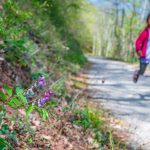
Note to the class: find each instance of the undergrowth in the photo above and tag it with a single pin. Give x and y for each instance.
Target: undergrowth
(41, 38)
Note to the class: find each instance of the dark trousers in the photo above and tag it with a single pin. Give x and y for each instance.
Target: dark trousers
(143, 67)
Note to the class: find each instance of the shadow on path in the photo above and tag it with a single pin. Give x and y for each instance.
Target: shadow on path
(110, 82)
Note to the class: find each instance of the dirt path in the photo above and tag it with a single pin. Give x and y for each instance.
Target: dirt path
(111, 83)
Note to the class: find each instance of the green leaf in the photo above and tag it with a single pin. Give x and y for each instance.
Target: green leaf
(4, 127)
(8, 90)
(5, 131)
(44, 113)
(4, 144)
(14, 102)
(19, 91)
(2, 96)
(29, 110)
(22, 98)
(2, 113)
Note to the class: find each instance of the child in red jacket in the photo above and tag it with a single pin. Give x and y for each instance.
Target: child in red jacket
(142, 47)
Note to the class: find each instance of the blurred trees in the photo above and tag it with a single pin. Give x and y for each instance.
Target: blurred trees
(35, 30)
(118, 25)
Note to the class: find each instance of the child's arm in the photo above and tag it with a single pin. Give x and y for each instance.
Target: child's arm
(139, 42)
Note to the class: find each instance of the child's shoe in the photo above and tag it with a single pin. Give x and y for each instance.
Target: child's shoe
(135, 76)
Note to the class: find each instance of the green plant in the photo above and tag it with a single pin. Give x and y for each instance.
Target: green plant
(9, 134)
(30, 140)
(15, 51)
(22, 126)
(27, 99)
(14, 100)
(59, 87)
(4, 144)
(4, 130)
(2, 113)
(88, 118)
(39, 73)
(13, 29)
(43, 112)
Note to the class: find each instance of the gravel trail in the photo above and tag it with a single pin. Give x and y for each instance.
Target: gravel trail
(112, 85)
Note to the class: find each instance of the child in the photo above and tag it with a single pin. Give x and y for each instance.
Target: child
(142, 46)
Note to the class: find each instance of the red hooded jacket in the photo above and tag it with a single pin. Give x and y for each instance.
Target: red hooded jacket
(141, 42)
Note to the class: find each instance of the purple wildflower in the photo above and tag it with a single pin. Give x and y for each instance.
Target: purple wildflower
(42, 102)
(45, 98)
(48, 95)
(41, 81)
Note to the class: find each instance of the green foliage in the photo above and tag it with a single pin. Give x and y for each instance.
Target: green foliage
(4, 144)
(14, 102)
(51, 104)
(9, 134)
(15, 51)
(43, 112)
(8, 90)
(39, 73)
(50, 40)
(29, 110)
(20, 95)
(59, 87)
(13, 30)
(23, 125)
(4, 130)
(24, 31)
(2, 96)
(2, 113)
(19, 100)
(88, 119)
(30, 140)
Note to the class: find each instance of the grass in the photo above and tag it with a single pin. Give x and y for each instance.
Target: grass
(90, 116)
